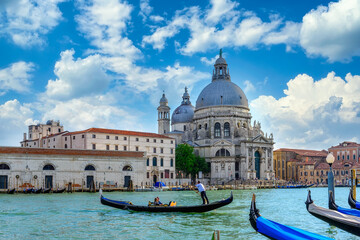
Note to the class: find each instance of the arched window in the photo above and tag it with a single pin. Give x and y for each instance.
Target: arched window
(184, 128)
(227, 129)
(127, 168)
(48, 167)
(171, 162)
(89, 168)
(200, 128)
(4, 166)
(222, 153)
(161, 162)
(147, 162)
(154, 161)
(217, 130)
(205, 126)
(65, 145)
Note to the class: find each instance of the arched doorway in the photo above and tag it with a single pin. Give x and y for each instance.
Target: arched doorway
(257, 164)
(155, 179)
(4, 178)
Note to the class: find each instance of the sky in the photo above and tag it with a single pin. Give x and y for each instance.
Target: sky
(106, 63)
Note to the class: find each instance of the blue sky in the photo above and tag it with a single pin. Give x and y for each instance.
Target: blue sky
(105, 63)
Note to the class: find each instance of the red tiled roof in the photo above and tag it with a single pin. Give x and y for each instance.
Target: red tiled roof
(120, 132)
(307, 163)
(348, 144)
(51, 151)
(53, 135)
(304, 152)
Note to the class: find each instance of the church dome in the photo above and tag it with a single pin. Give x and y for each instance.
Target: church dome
(221, 91)
(185, 112)
(163, 99)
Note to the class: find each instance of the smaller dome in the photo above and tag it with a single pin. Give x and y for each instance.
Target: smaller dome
(49, 122)
(183, 114)
(220, 60)
(163, 99)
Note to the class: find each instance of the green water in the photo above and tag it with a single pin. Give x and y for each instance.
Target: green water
(82, 216)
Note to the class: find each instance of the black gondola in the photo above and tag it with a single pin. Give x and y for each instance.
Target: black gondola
(46, 190)
(352, 202)
(346, 222)
(27, 190)
(334, 206)
(126, 205)
(36, 191)
(274, 230)
(11, 191)
(59, 190)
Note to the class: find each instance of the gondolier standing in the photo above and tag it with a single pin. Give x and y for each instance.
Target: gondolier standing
(201, 189)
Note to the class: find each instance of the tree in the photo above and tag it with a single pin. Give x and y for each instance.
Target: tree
(188, 162)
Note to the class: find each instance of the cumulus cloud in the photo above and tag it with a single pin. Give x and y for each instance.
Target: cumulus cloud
(207, 61)
(249, 87)
(222, 25)
(312, 113)
(82, 113)
(104, 23)
(332, 32)
(14, 119)
(16, 77)
(77, 77)
(28, 21)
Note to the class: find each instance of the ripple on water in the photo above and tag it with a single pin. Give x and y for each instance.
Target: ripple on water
(81, 216)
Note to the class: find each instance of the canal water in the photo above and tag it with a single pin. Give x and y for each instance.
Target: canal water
(82, 216)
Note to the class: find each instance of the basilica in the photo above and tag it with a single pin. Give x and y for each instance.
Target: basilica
(220, 129)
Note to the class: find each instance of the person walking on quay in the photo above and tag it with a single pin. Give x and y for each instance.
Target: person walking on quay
(201, 189)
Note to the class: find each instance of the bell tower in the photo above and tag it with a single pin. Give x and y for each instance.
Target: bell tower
(163, 116)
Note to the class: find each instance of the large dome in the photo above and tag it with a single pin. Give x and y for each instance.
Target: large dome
(221, 92)
(183, 114)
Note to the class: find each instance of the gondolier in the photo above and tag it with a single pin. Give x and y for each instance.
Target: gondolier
(202, 191)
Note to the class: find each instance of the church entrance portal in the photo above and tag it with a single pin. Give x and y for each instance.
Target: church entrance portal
(257, 164)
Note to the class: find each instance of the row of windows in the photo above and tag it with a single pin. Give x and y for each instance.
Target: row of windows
(167, 174)
(125, 138)
(347, 157)
(49, 167)
(155, 162)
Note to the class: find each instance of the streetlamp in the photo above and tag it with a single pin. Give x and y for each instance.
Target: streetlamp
(330, 160)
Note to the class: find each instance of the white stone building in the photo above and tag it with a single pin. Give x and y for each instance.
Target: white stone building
(159, 149)
(219, 127)
(56, 168)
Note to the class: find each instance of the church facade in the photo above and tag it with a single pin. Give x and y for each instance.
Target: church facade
(220, 129)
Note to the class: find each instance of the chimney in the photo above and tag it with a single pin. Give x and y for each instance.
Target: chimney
(24, 136)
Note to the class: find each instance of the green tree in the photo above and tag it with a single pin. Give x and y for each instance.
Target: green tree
(188, 162)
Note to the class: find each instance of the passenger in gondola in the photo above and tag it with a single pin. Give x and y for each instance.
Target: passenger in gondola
(157, 201)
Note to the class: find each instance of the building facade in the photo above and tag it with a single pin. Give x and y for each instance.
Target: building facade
(57, 168)
(220, 130)
(159, 149)
(346, 151)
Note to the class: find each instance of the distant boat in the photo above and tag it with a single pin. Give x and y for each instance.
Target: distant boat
(296, 186)
(126, 205)
(274, 230)
(346, 222)
(37, 191)
(11, 191)
(46, 190)
(59, 190)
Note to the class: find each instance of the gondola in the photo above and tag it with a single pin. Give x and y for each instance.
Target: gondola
(46, 190)
(27, 190)
(11, 191)
(274, 230)
(348, 223)
(352, 202)
(126, 205)
(334, 206)
(36, 191)
(59, 190)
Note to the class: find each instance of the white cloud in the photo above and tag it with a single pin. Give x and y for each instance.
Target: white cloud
(14, 120)
(312, 113)
(27, 21)
(209, 62)
(105, 23)
(249, 87)
(145, 9)
(79, 77)
(16, 77)
(215, 28)
(332, 32)
(82, 113)
(156, 18)
(288, 35)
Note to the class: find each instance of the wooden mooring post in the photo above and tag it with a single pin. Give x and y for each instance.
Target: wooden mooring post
(216, 235)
